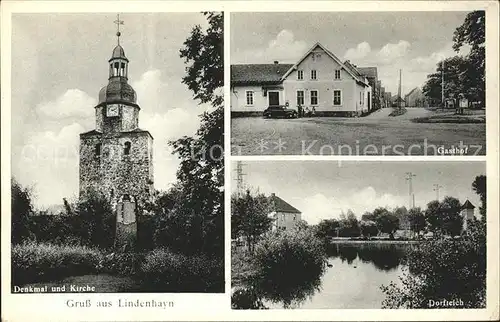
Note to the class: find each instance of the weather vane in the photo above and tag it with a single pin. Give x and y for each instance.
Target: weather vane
(118, 22)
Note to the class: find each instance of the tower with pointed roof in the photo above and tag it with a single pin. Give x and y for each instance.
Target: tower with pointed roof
(467, 213)
(116, 158)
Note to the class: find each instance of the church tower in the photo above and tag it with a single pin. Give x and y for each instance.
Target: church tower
(116, 158)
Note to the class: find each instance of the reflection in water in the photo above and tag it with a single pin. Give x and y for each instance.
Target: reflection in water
(383, 256)
(354, 277)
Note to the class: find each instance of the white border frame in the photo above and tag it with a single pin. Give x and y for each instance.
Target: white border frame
(20, 307)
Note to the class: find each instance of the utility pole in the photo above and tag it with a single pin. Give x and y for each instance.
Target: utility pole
(442, 83)
(239, 178)
(436, 188)
(409, 178)
(399, 91)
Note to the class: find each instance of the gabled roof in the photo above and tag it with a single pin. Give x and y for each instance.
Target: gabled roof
(413, 90)
(281, 205)
(329, 53)
(352, 68)
(468, 205)
(258, 73)
(368, 71)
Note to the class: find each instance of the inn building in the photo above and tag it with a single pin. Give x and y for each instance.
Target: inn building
(318, 82)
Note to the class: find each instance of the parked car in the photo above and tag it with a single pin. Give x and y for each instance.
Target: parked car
(280, 111)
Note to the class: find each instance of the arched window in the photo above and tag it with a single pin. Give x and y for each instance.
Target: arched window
(98, 149)
(122, 69)
(117, 67)
(127, 148)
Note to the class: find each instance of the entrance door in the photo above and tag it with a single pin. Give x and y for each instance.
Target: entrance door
(274, 98)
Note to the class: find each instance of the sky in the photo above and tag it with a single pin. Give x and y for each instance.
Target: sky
(412, 41)
(59, 64)
(325, 189)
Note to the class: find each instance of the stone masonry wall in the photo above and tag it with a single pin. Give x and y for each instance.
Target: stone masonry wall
(114, 173)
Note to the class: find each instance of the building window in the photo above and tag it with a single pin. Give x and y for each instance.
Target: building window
(117, 66)
(360, 98)
(122, 69)
(249, 97)
(98, 149)
(300, 74)
(337, 74)
(126, 150)
(300, 98)
(337, 97)
(314, 97)
(313, 74)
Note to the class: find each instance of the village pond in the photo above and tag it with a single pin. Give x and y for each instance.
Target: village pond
(355, 274)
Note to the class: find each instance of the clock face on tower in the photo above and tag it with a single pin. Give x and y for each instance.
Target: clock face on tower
(112, 110)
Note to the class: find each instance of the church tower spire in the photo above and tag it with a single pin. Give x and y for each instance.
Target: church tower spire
(118, 63)
(116, 158)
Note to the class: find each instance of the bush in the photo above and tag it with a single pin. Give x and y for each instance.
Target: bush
(163, 270)
(398, 111)
(246, 298)
(22, 208)
(288, 266)
(443, 269)
(56, 229)
(32, 262)
(122, 264)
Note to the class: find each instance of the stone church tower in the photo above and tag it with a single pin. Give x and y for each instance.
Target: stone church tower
(116, 158)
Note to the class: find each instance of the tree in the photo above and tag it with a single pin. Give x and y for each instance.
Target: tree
(301, 225)
(454, 79)
(348, 225)
(368, 216)
(417, 220)
(444, 217)
(451, 219)
(97, 222)
(443, 270)
(205, 51)
(387, 223)
(327, 228)
(402, 214)
(472, 32)
(249, 218)
(288, 267)
(22, 208)
(433, 216)
(368, 228)
(479, 187)
(201, 171)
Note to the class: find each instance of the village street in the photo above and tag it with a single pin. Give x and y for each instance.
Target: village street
(375, 134)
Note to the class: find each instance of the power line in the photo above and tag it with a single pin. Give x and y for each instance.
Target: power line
(436, 188)
(409, 178)
(240, 185)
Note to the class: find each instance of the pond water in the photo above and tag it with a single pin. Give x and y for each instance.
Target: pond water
(353, 281)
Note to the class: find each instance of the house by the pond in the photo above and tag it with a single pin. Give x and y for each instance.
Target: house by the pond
(284, 215)
(318, 82)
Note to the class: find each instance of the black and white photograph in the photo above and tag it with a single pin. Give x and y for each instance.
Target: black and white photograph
(117, 153)
(358, 83)
(249, 160)
(358, 235)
